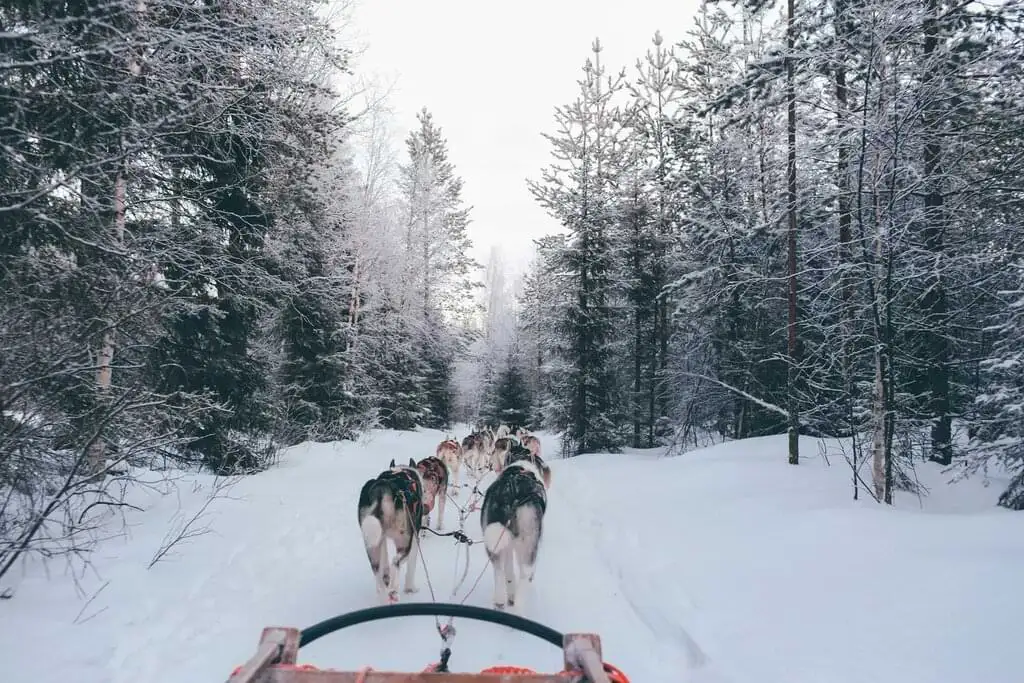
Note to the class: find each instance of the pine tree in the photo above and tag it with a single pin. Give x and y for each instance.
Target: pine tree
(145, 152)
(437, 265)
(511, 403)
(437, 243)
(544, 305)
(580, 194)
(653, 208)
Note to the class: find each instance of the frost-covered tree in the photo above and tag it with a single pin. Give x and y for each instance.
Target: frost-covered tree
(436, 242)
(725, 282)
(543, 305)
(149, 155)
(438, 288)
(652, 204)
(509, 401)
(496, 332)
(579, 190)
(998, 435)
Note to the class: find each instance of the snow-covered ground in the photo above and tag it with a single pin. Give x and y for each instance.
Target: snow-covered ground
(724, 565)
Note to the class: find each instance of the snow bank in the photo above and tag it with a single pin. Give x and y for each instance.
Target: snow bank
(782, 578)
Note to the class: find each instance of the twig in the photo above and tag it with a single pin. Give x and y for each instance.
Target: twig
(78, 618)
(189, 530)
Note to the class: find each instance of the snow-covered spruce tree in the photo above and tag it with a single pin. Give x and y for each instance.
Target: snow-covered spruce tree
(71, 287)
(653, 201)
(783, 64)
(383, 371)
(318, 373)
(999, 434)
(913, 109)
(994, 266)
(579, 190)
(133, 195)
(495, 332)
(248, 171)
(509, 401)
(438, 294)
(731, 249)
(544, 304)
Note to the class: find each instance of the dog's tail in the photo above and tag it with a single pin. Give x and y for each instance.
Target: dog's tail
(496, 538)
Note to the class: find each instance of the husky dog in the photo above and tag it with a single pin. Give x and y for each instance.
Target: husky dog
(391, 506)
(502, 447)
(434, 473)
(502, 432)
(475, 451)
(512, 517)
(521, 432)
(531, 442)
(488, 436)
(519, 454)
(450, 452)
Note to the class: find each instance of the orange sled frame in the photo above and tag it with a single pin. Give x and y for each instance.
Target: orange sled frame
(275, 658)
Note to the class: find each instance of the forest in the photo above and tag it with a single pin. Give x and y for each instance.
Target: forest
(803, 218)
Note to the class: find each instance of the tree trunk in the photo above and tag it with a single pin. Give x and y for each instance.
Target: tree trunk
(934, 302)
(353, 303)
(96, 455)
(843, 30)
(652, 378)
(794, 418)
(878, 452)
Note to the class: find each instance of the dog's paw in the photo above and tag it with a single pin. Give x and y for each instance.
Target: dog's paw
(412, 588)
(392, 597)
(500, 606)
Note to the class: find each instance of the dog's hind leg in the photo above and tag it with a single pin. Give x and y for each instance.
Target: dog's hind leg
(455, 472)
(412, 558)
(500, 594)
(509, 571)
(381, 571)
(442, 494)
(526, 556)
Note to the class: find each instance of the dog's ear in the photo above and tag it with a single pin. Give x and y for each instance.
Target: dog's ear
(412, 462)
(392, 463)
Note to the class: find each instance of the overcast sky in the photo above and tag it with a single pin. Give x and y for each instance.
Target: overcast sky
(492, 72)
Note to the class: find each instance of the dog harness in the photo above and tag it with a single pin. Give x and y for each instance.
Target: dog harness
(408, 490)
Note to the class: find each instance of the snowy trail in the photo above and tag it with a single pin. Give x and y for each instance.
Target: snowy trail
(574, 591)
(725, 565)
(289, 553)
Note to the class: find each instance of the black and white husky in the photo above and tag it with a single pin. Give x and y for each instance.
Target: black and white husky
(512, 517)
(392, 506)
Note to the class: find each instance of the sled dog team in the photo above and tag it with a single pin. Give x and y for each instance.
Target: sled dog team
(398, 502)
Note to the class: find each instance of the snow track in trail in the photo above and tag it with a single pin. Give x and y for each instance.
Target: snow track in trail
(622, 546)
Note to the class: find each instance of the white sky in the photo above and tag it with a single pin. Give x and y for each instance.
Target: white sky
(492, 73)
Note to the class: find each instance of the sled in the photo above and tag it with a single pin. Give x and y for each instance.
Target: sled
(277, 653)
